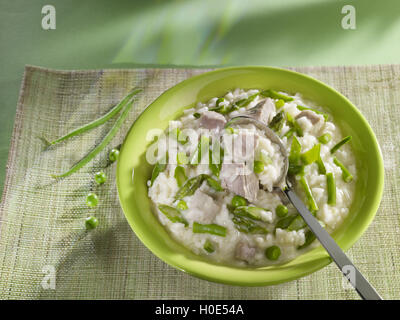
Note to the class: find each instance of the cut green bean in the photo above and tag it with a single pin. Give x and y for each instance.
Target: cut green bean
(246, 225)
(220, 108)
(110, 135)
(182, 205)
(297, 223)
(196, 115)
(346, 175)
(293, 124)
(284, 222)
(238, 201)
(295, 165)
(173, 214)
(310, 237)
(340, 144)
(180, 175)
(212, 228)
(325, 138)
(276, 95)
(214, 184)
(245, 102)
(215, 159)
(276, 123)
(311, 155)
(100, 120)
(258, 166)
(279, 104)
(249, 212)
(331, 187)
(314, 155)
(312, 205)
(203, 145)
(158, 168)
(208, 246)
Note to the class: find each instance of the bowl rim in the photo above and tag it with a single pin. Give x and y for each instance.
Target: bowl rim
(320, 262)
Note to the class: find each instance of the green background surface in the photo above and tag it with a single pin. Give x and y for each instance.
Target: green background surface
(104, 34)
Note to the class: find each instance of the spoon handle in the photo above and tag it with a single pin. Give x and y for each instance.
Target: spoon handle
(360, 284)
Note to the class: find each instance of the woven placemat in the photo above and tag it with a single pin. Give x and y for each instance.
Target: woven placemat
(45, 252)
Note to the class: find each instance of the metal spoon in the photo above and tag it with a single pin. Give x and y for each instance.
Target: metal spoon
(357, 280)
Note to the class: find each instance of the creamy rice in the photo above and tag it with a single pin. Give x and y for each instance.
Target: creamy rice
(208, 206)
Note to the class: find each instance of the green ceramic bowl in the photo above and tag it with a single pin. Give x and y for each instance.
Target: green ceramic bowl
(137, 206)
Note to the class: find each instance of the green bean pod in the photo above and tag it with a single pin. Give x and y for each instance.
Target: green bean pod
(346, 175)
(340, 144)
(107, 139)
(100, 120)
(212, 228)
(331, 186)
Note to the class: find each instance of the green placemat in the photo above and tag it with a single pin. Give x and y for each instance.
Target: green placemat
(42, 221)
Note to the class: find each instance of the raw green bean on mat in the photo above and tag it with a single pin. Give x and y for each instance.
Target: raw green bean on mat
(98, 121)
(107, 139)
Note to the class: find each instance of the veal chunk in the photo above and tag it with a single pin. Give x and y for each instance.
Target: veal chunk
(263, 111)
(244, 251)
(239, 180)
(310, 115)
(212, 120)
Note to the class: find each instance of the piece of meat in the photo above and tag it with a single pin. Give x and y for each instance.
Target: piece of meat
(263, 111)
(237, 178)
(244, 145)
(202, 207)
(310, 115)
(212, 120)
(244, 251)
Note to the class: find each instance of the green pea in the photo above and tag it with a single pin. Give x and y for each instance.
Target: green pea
(273, 253)
(196, 115)
(182, 205)
(258, 166)
(281, 211)
(113, 156)
(92, 200)
(238, 201)
(100, 177)
(91, 223)
(279, 104)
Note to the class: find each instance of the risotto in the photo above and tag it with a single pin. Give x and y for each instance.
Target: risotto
(212, 185)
